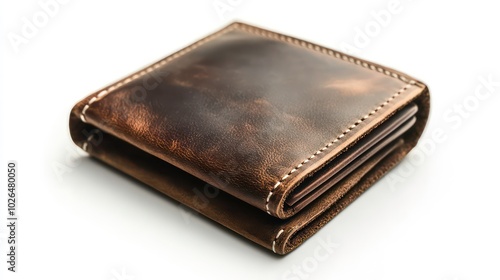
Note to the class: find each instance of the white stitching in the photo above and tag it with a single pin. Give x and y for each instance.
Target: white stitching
(276, 238)
(86, 143)
(280, 182)
(141, 73)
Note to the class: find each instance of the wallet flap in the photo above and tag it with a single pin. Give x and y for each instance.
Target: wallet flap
(250, 111)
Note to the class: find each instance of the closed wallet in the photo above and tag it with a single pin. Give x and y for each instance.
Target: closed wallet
(268, 135)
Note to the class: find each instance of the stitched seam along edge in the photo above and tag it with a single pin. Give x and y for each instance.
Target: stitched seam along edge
(155, 66)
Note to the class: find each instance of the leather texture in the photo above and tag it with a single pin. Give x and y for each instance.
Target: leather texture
(247, 115)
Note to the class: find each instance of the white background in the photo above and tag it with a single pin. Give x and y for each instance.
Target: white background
(436, 216)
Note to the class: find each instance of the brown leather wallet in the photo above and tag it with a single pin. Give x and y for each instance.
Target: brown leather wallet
(266, 134)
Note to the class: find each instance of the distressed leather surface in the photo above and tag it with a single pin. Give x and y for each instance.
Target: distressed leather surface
(253, 113)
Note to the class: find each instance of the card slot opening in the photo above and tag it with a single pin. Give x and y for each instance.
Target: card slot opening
(382, 136)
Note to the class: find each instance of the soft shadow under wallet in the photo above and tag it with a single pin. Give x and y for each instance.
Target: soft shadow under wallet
(266, 134)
